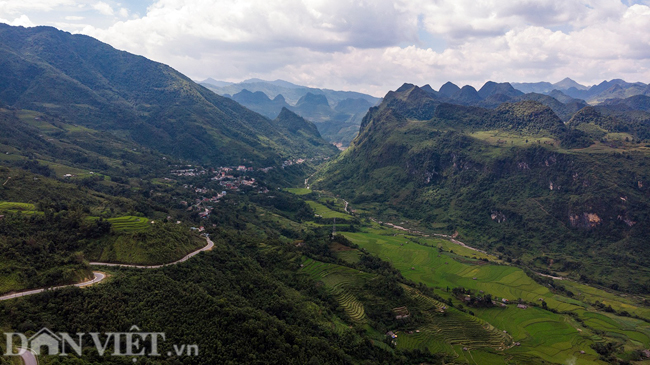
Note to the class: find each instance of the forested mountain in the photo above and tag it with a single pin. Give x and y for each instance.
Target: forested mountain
(107, 156)
(88, 83)
(514, 179)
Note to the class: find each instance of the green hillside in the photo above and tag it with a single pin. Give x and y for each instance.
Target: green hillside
(50, 229)
(514, 180)
(570, 325)
(88, 83)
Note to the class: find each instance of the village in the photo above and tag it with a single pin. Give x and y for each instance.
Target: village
(228, 178)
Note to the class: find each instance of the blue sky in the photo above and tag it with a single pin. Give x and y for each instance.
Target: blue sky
(367, 45)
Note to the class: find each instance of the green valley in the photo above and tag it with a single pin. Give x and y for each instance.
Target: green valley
(461, 226)
(515, 181)
(571, 324)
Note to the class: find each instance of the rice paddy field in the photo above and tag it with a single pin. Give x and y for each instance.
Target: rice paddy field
(13, 207)
(556, 338)
(326, 212)
(448, 328)
(129, 223)
(441, 329)
(342, 282)
(299, 191)
(16, 206)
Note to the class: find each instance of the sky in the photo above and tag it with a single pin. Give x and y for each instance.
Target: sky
(370, 46)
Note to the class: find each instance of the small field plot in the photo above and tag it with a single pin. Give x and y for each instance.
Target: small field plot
(16, 206)
(509, 139)
(445, 327)
(345, 253)
(619, 302)
(619, 327)
(129, 223)
(299, 191)
(545, 334)
(22, 208)
(325, 212)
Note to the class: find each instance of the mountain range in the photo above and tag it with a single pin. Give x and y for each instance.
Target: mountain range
(606, 90)
(515, 178)
(81, 82)
(337, 114)
(497, 195)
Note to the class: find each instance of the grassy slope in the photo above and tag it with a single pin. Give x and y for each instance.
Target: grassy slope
(550, 336)
(133, 239)
(326, 212)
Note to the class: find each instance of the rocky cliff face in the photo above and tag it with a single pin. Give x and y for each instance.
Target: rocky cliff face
(434, 163)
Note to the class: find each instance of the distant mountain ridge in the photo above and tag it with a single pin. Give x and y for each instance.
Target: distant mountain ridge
(613, 89)
(291, 92)
(337, 114)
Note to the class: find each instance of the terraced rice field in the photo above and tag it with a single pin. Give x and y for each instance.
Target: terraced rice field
(341, 282)
(619, 302)
(638, 332)
(553, 337)
(23, 208)
(345, 253)
(454, 327)
(129, 223)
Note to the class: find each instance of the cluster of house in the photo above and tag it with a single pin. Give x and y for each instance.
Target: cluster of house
(401, 313)
(188, 172)
(293, 162)
(393, 335)
(299, 161)
(236, 183)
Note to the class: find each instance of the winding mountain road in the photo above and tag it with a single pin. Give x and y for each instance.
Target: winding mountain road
(208, 247)
(99, 276)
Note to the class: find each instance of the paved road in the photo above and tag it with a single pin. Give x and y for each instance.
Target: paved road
(208, 247)
(98, 276)
(29, 358)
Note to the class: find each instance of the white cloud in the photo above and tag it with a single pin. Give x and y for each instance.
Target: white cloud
(21, 6)
(22, 21)
(73, 17)
(373, 45)
(103, 8)
(311, 24)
